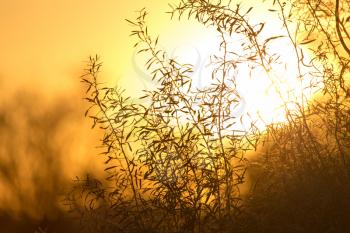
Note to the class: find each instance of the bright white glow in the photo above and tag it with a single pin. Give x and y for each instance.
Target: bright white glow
(264, 96)
(270, 96)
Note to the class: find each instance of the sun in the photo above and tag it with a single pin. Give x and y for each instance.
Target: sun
(265, 97)
(272, 97)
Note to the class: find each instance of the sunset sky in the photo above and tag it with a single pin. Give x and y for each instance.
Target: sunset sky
(45, 44)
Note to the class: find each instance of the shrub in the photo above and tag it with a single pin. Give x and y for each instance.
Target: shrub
(177, 161)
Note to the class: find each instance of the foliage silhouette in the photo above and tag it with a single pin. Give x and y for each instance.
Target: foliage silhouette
(177, 162)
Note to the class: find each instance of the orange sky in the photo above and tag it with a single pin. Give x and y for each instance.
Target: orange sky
(46, 42)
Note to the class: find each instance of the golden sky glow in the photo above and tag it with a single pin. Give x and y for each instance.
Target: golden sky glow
(44, 44)
(48, 41)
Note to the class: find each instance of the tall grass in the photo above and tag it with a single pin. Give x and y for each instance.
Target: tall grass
(176, 162)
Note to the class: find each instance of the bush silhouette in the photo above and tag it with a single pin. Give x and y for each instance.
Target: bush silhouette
(177, 161)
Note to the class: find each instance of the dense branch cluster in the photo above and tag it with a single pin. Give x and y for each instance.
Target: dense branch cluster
(176, 163)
